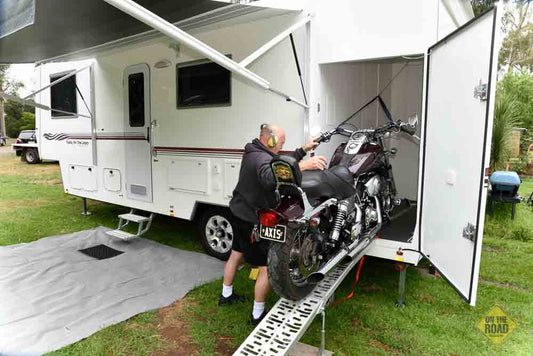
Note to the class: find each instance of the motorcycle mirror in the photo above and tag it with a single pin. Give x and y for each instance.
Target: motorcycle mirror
(413, 120)
(315, 131)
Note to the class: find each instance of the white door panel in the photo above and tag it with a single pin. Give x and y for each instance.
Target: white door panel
(457, 142)
(137, 126)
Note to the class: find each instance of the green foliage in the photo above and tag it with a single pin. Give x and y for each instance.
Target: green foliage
(517, 46)
(17, 119)
(519, 86)
(480, 6)
(506, 114)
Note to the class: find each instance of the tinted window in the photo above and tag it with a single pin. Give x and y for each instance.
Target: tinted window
(136, 99)
(63, 96)
(203, 85)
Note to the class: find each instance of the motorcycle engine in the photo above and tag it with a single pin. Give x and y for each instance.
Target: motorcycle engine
(371, 215)
(373, 186)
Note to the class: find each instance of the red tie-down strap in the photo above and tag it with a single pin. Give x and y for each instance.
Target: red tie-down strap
(352, 293)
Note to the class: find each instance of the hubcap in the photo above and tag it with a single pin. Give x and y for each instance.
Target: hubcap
(219, 233)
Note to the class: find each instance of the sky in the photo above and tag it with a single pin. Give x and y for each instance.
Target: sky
(23, 73)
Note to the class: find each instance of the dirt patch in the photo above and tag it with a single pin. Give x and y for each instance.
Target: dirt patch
(14, 204)
(425, 298)
(355, 323)
(11, 165)
(224, 345)
(503, 285)
(389, 350)
(490, 248)
(373, 288)
(175, 330)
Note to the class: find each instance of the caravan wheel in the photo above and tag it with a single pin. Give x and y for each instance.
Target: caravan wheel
(216, 232)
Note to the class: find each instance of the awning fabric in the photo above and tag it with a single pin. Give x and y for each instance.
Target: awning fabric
(32, 31)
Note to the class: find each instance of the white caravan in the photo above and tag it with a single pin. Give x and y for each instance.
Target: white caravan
(158, 127)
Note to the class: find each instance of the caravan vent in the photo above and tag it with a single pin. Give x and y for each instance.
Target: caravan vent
(137, 189)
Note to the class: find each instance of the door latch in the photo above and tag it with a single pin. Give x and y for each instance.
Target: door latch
(480, 91)
(469, 232)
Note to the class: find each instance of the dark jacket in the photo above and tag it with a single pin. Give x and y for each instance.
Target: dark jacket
(256, 186)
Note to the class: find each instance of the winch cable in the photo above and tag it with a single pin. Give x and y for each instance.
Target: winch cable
(378, 97)
(352, 293)
(298, 67)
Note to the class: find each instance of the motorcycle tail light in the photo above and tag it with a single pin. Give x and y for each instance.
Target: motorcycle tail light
(268, 218)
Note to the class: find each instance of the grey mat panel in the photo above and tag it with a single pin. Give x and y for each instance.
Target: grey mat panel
(52, 295)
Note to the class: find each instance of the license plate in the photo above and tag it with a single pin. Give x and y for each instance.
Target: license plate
(276, 233)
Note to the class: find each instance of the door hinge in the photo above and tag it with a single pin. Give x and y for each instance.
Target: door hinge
(469, 232)
(480, 91)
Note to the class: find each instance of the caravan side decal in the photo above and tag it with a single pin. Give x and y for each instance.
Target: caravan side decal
(99, 136)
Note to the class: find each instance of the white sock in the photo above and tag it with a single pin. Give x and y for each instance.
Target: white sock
(259, 308)
(227, 290)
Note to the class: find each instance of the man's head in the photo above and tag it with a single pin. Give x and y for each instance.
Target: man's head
(273, 137)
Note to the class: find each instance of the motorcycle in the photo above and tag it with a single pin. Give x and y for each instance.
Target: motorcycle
(326, 216)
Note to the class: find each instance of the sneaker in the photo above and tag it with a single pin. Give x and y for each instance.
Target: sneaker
(253, 321)
(233, 298)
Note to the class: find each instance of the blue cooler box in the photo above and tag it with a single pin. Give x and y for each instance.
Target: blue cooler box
(505, 183)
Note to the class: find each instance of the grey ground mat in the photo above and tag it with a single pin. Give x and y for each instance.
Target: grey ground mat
(52, 295)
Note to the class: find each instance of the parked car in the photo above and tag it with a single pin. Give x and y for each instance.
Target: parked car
(26, 147)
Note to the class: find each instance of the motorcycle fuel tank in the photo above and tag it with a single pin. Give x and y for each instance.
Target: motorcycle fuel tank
(363, 161)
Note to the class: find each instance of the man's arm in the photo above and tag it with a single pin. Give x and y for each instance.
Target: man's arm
(265, 174)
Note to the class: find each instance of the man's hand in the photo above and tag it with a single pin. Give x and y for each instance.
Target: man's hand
(311, 144)
(313, 163)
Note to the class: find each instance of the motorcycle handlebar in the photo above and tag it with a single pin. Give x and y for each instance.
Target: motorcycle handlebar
(401, 126)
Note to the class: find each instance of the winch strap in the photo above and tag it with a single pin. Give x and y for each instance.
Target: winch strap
(385, 109)
(298, 67)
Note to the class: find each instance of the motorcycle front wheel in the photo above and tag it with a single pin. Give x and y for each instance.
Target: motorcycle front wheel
(290, 263)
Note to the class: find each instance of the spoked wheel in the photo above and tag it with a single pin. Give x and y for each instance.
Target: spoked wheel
(217, 232)
(290, 263)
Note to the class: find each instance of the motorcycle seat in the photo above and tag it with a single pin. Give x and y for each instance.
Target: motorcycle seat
(335, 182)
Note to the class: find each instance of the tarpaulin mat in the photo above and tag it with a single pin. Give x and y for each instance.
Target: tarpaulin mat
(52, 295)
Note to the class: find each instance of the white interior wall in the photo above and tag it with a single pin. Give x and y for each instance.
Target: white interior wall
(348, 86)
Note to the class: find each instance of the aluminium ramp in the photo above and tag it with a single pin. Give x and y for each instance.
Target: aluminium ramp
(288, 320)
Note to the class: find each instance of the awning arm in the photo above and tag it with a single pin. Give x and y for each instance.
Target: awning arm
(267, 46)
(37, 105)
(65, 77)
(149, 18)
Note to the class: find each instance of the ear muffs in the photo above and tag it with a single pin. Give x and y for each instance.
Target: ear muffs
(272, 141)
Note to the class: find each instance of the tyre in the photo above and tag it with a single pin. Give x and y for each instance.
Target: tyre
(287, 266)
(216, 230)
(31, 156)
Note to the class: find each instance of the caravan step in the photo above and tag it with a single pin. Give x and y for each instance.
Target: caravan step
(123, 235)
(134, 217)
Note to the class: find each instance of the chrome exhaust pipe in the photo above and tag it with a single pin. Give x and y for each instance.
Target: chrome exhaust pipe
(350, 251)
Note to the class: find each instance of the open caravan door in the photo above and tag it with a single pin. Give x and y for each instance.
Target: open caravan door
(460, 88)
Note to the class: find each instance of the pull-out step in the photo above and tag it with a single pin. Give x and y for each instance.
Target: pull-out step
(125, 219)
(288, 320)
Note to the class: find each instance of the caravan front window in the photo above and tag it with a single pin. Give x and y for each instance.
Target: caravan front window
(63, 96)
(136, 99)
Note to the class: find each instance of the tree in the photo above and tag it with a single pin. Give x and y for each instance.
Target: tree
(6, 86)
(480, 6)
(517, 47)
(506, 117)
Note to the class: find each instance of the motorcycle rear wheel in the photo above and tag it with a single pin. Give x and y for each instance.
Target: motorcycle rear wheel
(280, 268)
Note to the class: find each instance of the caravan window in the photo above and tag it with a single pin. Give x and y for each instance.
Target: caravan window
(203, 84)
(136, 99)
(63, 96)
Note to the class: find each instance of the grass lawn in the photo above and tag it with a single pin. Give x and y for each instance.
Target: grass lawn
(435, 322)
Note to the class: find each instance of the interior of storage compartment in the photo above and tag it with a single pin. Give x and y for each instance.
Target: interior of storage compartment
(346, 87)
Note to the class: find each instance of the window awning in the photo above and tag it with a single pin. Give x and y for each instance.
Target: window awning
(51, 28)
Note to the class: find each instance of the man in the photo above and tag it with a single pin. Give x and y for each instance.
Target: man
(255, 191)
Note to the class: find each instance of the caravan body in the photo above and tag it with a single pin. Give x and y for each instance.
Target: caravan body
(166, 129)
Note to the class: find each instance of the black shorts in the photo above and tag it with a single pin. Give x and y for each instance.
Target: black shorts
(255, 253)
